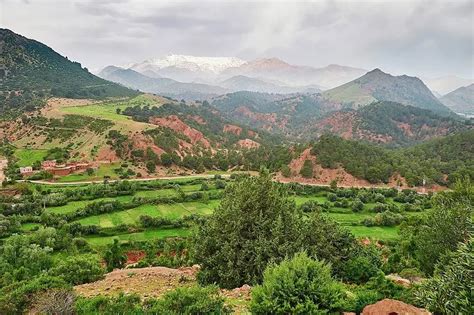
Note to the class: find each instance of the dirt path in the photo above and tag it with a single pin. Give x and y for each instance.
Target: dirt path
(281, 180)
(43, 182)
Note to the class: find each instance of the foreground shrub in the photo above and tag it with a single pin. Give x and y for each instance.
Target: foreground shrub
(360, 269)
(122, 304)
(55, 301)
(79, 269)
(191, 300)
(185, 300)
(450, 289)
(297, 286)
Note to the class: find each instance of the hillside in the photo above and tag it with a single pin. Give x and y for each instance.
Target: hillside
(460, 100)
(389, 123)
(308, 116)
(31, 71)
(439, 161)
(377, 85)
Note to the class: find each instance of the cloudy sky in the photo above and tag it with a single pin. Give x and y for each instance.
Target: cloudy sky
(425, 38)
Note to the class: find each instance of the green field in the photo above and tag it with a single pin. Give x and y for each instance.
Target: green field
(139, 236)
(173, 211)
(131, 216)
(106, 169)
(76, 205)
(26, 157)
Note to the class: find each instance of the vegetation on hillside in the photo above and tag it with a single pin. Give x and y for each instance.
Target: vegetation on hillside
(31, 72)
(431, 161)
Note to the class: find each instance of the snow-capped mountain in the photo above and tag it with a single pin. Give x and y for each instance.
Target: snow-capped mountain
(197, 64)
(214, 70)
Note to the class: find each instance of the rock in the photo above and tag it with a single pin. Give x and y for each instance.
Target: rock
(393, 307)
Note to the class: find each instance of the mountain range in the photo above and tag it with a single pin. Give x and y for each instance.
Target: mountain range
(373, 106)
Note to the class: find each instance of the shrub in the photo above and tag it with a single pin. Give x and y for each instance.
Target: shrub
(357, 205)
(359, 269)
(450, 289)
(114, 256)
(79, 269)
(307, 169)
(191, 300)
(297, 286)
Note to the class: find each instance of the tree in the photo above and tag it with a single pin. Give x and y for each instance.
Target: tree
(450, 289)
(357, 205)
(79, 269)
(166, 159)
(307, 169)
(255, 223)
(300, 285)
(114, 256)
(333, 184)
(90, 171)
(285, 171)
(150, 166)
(446, 225)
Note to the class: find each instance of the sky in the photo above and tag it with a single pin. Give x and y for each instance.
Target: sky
(425, 38)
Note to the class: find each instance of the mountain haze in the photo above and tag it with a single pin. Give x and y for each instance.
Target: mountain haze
(460, 100)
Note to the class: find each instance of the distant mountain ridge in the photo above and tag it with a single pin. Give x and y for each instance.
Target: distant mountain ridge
(460, 100)
(213, 70)
(31, 71)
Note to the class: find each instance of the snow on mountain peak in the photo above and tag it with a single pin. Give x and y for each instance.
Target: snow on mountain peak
(205, 64)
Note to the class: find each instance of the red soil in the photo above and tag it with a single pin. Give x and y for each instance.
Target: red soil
(173, 122)
(389, 306)
(248, 144)
(233, 129)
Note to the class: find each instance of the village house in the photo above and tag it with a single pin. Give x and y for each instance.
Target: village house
(48, 164)
(26, 171)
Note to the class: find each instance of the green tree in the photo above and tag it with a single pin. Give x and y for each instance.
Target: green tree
(79, 269)
(150, 166)
(446, 225)
(300, 285)
(285, 171)
(307, 169)
(255, 223)
(449, 291)
(357, 205)
(114, 256)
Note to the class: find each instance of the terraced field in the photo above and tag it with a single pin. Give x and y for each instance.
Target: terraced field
(153, 205)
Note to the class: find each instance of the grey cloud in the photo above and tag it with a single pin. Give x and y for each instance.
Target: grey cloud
(426, 38)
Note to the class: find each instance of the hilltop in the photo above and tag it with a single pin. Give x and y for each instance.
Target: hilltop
(31, 71)
(377, 85)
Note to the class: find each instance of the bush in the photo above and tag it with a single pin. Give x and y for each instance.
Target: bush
(307, 169)
(450, 289)
(122, 304)
(191, 300)
(357, 205)
(79, 269)
(359, 269)
(297, 286)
